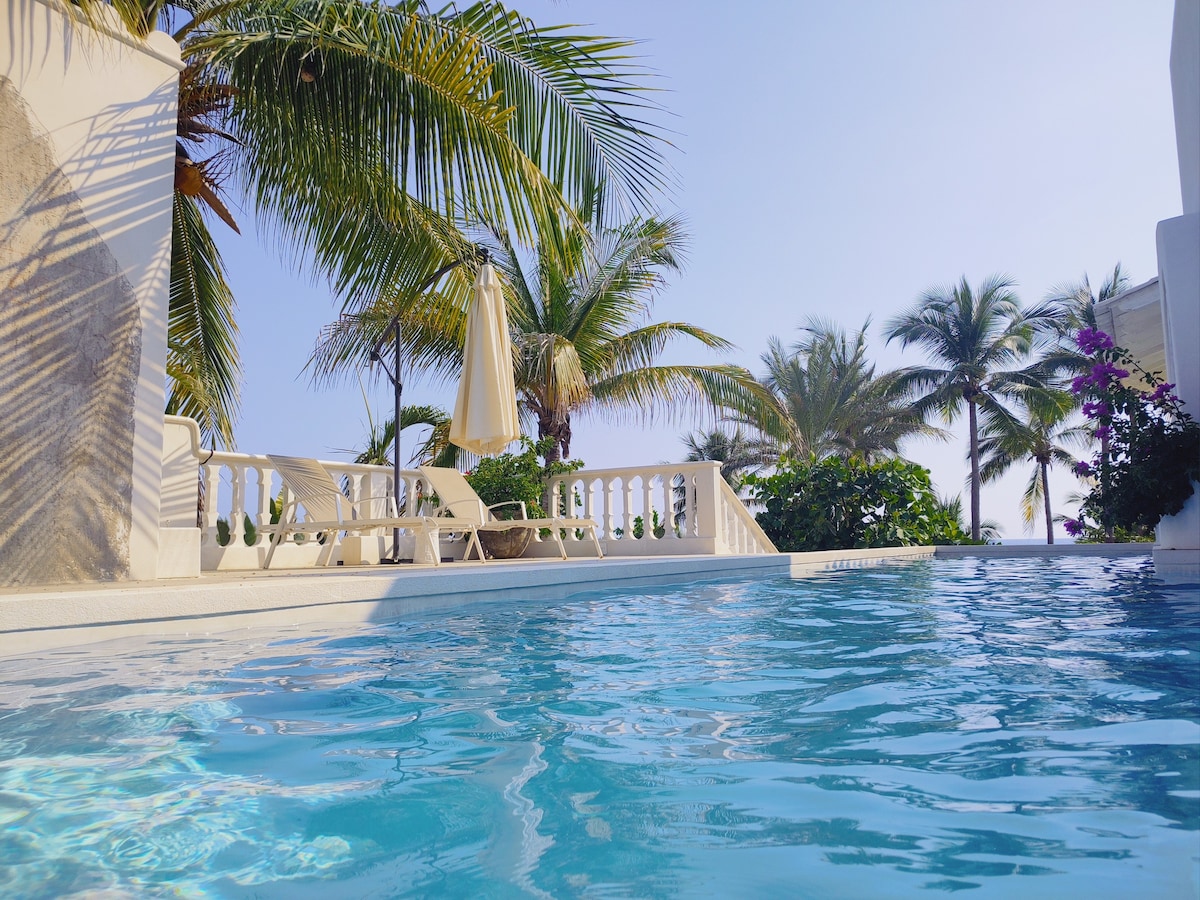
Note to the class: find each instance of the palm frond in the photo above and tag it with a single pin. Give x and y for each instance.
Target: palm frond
(202, 352)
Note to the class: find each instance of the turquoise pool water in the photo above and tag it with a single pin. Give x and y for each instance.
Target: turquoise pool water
(1007, 728)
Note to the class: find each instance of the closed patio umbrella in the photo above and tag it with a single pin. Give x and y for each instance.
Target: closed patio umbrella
(485, 411)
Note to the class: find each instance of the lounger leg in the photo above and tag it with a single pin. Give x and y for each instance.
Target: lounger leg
(596, 541)
(473, 541)
(326, 553)
(562, 550)
(275, 539)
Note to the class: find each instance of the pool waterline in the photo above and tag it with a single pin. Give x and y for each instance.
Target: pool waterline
(57, 616)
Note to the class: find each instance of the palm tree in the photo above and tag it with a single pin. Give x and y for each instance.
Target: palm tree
(1043, 436)
(577, 318)
(435, 450)
(835, 403)
(736, 451)
(361, 133)
(1076, 304)
(978, 336)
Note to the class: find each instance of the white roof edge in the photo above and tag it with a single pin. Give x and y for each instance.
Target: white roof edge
(157, 44)
(1124, 295)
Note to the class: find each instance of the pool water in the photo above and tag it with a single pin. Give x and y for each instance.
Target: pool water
(1009, 728)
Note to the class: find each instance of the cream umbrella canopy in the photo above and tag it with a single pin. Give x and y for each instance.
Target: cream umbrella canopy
(485, 411)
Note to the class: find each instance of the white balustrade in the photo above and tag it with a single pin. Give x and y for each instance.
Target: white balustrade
(671, 508)
(667, 509)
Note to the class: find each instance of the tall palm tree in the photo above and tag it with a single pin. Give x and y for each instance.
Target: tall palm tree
(1044, 435)
(361, 132)
(835, 403)
(584, 343)
(979, 336)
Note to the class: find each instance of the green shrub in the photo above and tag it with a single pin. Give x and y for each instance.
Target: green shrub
(841, 504)
(517, 476)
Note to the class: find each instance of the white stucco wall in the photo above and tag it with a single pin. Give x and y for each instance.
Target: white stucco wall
(106, 103)
(1178, 546)
(1185, 91)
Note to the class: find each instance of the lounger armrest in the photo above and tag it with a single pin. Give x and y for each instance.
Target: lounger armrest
(520, 503)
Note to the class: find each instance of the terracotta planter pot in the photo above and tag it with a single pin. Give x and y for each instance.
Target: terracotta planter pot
(508, 544)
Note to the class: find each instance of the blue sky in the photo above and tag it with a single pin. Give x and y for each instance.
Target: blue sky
(833, 159)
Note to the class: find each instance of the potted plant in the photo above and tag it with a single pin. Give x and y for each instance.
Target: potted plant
(509, 478)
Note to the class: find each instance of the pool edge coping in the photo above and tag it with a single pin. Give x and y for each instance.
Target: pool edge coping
(66, 615)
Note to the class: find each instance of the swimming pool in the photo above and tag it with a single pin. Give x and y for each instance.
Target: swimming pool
(1014, 728)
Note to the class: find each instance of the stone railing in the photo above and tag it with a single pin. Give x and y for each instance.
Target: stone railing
(659, 510)
(683, 508)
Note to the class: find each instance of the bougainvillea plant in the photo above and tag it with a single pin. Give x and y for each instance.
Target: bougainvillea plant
(1148, 452)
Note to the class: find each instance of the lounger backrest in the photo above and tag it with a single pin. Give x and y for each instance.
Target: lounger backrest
(309, 482)
(455, 493)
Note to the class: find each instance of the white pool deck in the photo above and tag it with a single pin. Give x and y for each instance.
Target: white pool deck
(59, 616)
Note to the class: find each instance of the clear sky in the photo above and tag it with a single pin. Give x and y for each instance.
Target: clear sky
(833, 159)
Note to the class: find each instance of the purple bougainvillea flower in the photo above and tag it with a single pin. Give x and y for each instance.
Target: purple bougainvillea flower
(1104, 372)
(1073, 527)
(1082, 469)
(1163, 392)
(1096, 410)
(1092, 340)
(1103, 432)
(1080, 383)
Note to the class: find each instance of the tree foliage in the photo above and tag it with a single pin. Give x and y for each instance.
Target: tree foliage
(1149, 453)
(363, 134)
(580, 317)
(978, 340)
(835, 403)
(840, 503)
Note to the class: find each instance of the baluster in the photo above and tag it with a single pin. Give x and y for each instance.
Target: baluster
(212, 495)
(668, 498)
(606, 500)
(627, 507)
(589, 500)
(689, 505)
(263, 505)
(237, 510)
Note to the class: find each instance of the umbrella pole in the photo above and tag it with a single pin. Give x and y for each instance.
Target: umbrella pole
(394, 376)
(399, 386)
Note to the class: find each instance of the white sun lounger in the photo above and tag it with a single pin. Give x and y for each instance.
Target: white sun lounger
(327, 510)
(458, 499)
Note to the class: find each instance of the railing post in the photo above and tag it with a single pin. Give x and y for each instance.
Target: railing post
(708, 512)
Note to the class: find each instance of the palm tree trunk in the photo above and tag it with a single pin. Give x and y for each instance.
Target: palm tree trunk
(974, 438)
(1046, 499)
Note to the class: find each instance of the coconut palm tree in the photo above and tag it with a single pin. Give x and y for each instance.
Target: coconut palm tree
(1044, 435)
(579, 317)
(835, 403)
(978, 336)
(361, 133)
